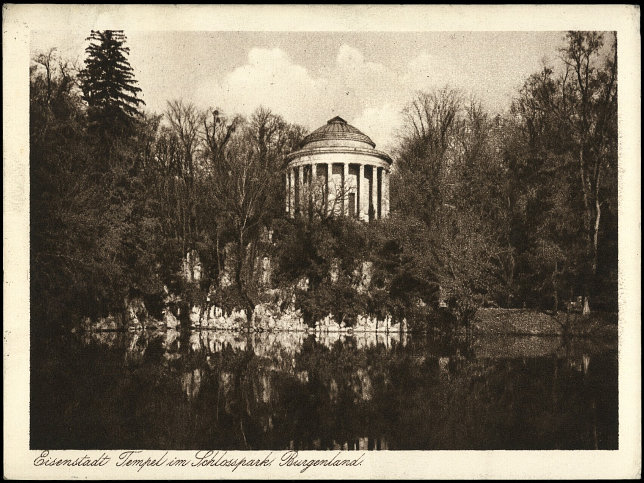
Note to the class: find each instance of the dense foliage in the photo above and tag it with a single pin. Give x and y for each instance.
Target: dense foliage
(109, 87)
(519, 210)
(522, 209)
(93, 235)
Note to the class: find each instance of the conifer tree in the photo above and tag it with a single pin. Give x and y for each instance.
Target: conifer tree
(108, 84)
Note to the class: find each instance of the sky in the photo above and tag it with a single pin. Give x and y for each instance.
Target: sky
(309, 77)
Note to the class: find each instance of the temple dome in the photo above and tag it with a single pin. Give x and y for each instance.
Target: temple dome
(337, 132)
(338, 171)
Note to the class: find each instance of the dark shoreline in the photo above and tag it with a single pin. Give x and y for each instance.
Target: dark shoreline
(487, 321)
(493, 321)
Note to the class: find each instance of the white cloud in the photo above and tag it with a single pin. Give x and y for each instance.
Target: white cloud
(348, 56)
(348, 81)
(368, 82)
(381, 124)
(368, 92)
(270, 79)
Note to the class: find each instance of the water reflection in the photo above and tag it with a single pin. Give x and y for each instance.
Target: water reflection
(231, 390)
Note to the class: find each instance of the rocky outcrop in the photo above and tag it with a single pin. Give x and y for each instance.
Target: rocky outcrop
(169, 320)
(273, 316)
(135, 316)
(266, 317)
(363, 323)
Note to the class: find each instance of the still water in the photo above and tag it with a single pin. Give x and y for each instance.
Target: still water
(226, 390)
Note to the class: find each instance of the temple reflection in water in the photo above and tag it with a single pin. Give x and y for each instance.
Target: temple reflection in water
(291, 390)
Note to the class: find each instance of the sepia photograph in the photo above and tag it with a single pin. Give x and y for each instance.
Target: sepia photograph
(343, 241)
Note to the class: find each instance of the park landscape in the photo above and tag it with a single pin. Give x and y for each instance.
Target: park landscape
(180, 301)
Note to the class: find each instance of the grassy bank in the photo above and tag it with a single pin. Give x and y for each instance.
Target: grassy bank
(530, 322)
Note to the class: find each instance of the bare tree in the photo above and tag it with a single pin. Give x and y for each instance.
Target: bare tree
(248, 158)
(185, 122)
(321, 200)
(217, 134)
(428, 148)
(589, 109)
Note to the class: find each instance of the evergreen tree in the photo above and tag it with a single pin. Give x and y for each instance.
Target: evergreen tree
(108, 84)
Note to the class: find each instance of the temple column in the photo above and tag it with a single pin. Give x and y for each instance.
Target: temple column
(300, 172)
(310, 186)
(385, 192)
(362, 198)
(378, 185)
(329, 187)
(286, 193)
(291, 191)
(379, 173)
(345, 189)
(374, 192)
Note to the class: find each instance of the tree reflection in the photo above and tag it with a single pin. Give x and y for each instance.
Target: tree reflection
(231, 390)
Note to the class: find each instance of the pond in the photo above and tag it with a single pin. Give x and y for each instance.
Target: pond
(230, 390)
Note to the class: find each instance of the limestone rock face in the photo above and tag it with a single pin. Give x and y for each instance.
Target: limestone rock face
(135, 313)
(364, 276)
(194, 315)
(171, 322)
(269, 317)
(266, 271)
(192, 269)
(334, 272)
(226, 275)
(134, 317)
(303, 284)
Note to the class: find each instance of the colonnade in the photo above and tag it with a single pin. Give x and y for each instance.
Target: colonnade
(353, 189)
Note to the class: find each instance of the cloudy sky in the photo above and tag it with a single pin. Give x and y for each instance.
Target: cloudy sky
(310, 77)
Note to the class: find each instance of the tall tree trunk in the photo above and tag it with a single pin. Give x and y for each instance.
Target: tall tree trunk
(509, 275)
(589, 227)
(593, 244)
(217, 254)
(555, 287)
(239, 263)
(239, 281)
(595, 237)
(555, 296)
